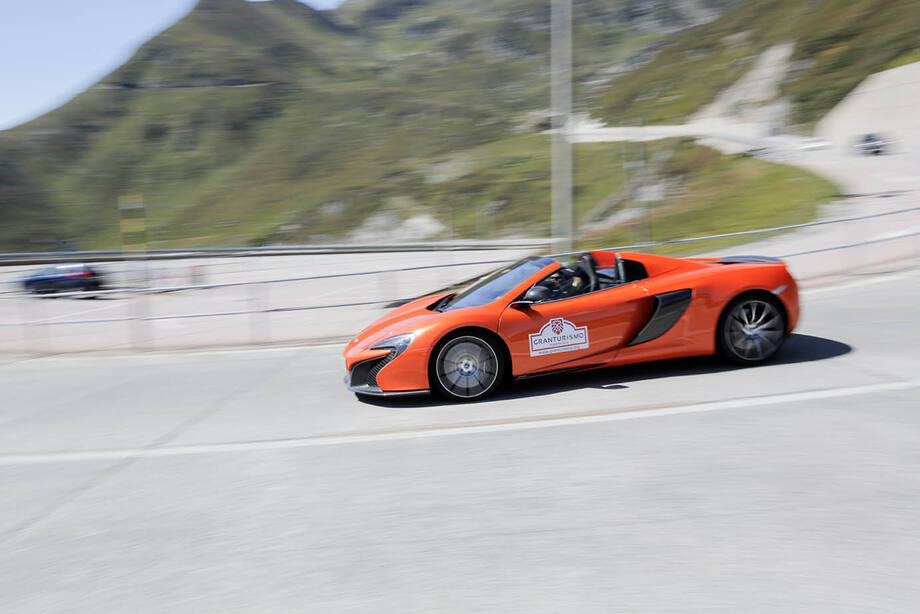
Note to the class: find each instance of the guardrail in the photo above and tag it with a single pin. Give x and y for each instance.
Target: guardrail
(455, 247)
(14, 259)
(32, 320)
(232, 284)
(301, 250)
(257, 307)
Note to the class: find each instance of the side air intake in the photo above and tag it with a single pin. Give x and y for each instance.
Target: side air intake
(669, 306)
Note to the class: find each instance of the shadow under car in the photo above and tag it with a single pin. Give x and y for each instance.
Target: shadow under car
(797, 349)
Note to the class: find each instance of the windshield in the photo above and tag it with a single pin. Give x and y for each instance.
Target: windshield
(494, 285)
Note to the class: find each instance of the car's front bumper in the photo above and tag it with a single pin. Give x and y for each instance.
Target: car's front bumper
(373, 391)
(362, 378)
(386, 370)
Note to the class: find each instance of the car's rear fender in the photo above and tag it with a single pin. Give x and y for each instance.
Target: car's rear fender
(712, 288)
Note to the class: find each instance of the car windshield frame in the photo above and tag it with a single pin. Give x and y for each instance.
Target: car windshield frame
(496, 284)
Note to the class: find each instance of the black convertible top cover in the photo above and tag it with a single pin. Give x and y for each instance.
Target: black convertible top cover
(747, 259)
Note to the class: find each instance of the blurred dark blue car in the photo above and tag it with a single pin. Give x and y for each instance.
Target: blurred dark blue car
(63, 278)
(872, 144)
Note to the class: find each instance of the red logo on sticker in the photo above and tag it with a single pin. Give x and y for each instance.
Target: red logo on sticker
(557, 326)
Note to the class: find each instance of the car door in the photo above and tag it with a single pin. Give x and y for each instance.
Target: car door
(582, 330)
(46, 279)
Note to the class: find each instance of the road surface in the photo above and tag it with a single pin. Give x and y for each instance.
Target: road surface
(251, 481)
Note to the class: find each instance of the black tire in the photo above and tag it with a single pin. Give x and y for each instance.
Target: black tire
(467, 366)
(752, 329)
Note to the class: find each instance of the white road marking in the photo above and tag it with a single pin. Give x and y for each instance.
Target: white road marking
(898, 178)
(903, 232)
(77, 313)
(530, 423)
(289, 348)
(174, 355)
(855, 284)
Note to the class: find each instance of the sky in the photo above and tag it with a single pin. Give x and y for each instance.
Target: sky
(50, 50)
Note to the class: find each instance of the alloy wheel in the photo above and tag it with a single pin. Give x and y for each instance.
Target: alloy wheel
(467, 367)
(754, 330)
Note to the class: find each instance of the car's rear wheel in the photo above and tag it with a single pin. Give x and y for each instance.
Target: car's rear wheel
(466, 367)
(752, 329)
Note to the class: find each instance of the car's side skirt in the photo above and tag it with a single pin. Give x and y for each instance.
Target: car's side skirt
(560, 371)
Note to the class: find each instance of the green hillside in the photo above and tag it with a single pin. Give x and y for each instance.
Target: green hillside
(254, 122)
(245, 119)
(838, 43)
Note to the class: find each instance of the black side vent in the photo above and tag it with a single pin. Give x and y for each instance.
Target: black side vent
(668, 309)
(365, 373)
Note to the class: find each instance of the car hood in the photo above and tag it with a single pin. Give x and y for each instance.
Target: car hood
(411, 317)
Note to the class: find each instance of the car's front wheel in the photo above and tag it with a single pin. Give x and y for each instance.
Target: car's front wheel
(466, 367)
(752, 329)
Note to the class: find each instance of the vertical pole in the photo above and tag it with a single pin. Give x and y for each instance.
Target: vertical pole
(26, 325)
(631, 173)
(266, 313)
(138, 307)
(381, 287)
(134, 235)
(561, 103)
(259, 316)
(43, 327)
(387, 290)
(255, 312)
(33, 318)
(147, 323)
(624, 154)
(645, 182)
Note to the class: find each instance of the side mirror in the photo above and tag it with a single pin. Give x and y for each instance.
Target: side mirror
(536, 294)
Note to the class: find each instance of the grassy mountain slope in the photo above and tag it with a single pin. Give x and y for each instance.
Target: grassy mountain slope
(179, 124)
(246, 118)
(269, 121)
(838, 43)
(719, 194)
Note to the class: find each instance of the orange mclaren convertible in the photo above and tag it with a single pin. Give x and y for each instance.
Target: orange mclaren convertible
(583, 311)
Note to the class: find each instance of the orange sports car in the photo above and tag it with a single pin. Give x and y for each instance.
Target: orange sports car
(596, 309)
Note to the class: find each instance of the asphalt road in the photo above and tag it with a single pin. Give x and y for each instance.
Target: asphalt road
(252, 481)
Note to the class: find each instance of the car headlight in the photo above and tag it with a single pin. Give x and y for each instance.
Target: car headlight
(397, 344)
